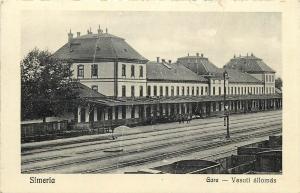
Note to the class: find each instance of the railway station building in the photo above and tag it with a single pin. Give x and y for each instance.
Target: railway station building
(119, 86)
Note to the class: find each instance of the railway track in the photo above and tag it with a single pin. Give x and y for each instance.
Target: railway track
(178, 153)
(166, 132)
(201, 139)
(170, 136)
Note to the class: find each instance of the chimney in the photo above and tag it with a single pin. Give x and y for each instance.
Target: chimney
(170, 61)
(251, 54)
(201, 55)
(70, 36)
(234, 56)
(89, 31)
(106, 30)
(157, 59)
(197, 54)
(247, 53)
(99, 30)
(78, 34)
(188, 54)
(163, 60)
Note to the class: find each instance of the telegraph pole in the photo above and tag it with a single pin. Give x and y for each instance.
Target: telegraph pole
(226, 112)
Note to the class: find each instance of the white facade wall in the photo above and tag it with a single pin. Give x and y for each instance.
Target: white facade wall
(177, 85)
(105, 70)
(128, 85)
(105, 82)
(269, 81)
(105, 79)
(218, 85)
(245, 89)
(137, 81)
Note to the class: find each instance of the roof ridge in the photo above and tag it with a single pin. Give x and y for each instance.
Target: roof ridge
(204, 65)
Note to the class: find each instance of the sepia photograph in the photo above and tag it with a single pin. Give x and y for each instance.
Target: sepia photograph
(146, 92)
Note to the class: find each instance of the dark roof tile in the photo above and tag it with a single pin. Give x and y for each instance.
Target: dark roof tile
(248, 64)
(94, 47)
(172, 72)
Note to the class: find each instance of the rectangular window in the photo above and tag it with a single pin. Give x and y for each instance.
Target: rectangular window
(188, 91)
(80, 71)
(167, 91)
(141, 91)
(172, 90)
(149, 91)
(123, 112)
(161, 91)
(267, 78)
(182, 91)
(242, 90)
(132, 91)
(245, 90)
(95, 88)
(239, 90)
(132, 112)
(219, 90)
(201, 90)
(177, 91)
(155, 90)
(193, 91)
(214, 90)
(141, 71)
(235, 90)
(132, 70)
(231, 90)
(123, 91)
(123, 70)
(94, 70)
(206, 88)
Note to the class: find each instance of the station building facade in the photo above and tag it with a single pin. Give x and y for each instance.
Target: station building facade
(119, 86)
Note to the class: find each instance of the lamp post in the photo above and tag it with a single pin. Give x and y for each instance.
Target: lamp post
(226, 112)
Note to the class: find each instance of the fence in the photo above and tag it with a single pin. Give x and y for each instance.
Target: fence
(43, 131)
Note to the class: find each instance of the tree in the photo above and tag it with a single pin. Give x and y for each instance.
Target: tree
(278, 83)
(46, 85)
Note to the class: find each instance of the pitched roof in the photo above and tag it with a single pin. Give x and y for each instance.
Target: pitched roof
(248, 64)
(171, 72)
(199, 65)
(236, 76)
(95, 47)
(86, 92)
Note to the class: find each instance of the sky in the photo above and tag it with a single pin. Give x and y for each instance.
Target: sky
(169, 35)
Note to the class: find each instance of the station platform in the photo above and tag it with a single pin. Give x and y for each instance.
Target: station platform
(125, 131)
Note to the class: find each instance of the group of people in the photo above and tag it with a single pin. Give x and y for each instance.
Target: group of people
(184, 118)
